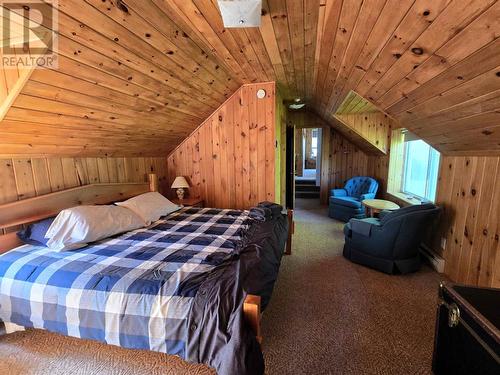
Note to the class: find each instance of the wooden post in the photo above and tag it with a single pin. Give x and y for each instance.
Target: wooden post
(291, 230)
(153, 182)
(251, 311)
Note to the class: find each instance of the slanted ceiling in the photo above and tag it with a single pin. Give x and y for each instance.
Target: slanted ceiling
(135, 78)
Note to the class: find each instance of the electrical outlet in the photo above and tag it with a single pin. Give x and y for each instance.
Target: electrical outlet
(443, 242)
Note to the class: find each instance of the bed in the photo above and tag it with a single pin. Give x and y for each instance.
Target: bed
(191, 284)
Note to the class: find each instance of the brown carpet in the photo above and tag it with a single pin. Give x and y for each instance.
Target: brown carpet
(327, 316)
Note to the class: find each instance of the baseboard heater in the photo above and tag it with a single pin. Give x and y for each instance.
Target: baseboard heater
(435, 260)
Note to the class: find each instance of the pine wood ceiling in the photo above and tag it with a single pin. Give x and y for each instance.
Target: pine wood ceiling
(135, 78)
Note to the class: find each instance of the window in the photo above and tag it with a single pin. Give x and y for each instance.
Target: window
(420, 169)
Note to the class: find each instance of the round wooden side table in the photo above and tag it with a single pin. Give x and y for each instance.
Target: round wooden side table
(374, 206)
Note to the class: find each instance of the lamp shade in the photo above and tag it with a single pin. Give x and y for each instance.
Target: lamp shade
(180, 182)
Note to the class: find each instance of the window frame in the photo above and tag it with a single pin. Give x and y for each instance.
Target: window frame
(429, 170)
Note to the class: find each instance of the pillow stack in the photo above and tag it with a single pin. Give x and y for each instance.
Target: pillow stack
(76, 227)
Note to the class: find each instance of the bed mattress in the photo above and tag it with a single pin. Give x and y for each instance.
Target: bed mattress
(175, 287)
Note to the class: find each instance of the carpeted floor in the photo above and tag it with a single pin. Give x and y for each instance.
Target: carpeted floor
(327, 316)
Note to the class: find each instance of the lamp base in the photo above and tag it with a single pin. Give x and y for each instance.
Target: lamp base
(180, 193)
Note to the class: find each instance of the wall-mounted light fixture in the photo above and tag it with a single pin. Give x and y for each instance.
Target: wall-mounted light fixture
(261, 93)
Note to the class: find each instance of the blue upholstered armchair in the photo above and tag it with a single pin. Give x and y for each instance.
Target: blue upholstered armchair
(390, 243)
(345, 203)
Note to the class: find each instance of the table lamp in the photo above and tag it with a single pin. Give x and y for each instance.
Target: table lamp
(180, 183)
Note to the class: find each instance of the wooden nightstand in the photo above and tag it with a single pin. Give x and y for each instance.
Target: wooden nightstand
(189, 202)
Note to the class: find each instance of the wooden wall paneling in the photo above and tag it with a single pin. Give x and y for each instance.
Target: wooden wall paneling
(24, 178)
(209, 167)
(461, 198)
(312, 24)
(41, 176)
(390, 17)
(444, 196)
(112, 164)
(268, 37)
(270, 129)
(296, 15)
(246, 126)
(411, 25)
(345, 28)
(326, 153)
(56, 174)
(489, 265)
(486, 208)
(261, 130)
(239, 135)
(460, 76)
(96, 13)
(253, 136)
(183, 47)
(81, 171)
(278, 12)
(473, 188)
(471, 39)
(196, 157)
(238, 149)
(103, 170)
(149, 73)
(252, 39)
(329, 34)
(120, 170)
(219, 184)
(365, 21)
(229, 132)
(469, 221)
(92, 170)
(223, 123)
(8, 189)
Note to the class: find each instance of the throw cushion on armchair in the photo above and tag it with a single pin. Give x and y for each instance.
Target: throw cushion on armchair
(345, 203)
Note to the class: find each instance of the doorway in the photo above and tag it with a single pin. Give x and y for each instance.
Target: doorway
(307, 162)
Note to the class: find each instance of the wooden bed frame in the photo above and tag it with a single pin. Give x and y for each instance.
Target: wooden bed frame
(15, 214)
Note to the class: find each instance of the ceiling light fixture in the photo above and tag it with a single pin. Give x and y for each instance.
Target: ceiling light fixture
(296, 106)
(240, 13)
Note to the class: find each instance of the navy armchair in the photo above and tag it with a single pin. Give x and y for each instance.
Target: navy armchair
(390, 243)
(345, 203)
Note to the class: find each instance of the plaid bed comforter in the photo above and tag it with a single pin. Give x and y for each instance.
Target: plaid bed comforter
(134, 290)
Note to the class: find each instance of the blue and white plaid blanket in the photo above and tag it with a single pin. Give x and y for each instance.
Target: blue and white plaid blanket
(134, 290)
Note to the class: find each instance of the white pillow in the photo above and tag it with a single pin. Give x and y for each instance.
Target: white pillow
(150, 206)
(75, 227)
